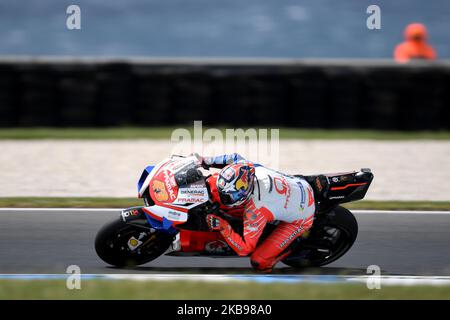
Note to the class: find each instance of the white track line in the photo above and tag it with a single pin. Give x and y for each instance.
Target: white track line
(88, 210)
(319, 279)
(421, 212)
(61, 210)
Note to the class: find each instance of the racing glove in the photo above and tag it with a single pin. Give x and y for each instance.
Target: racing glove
(214, 222)
(201, 160)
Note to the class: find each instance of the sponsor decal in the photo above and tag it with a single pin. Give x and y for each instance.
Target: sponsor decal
(173, 215)
(291, 237)
(159, 190)
(250, 214)
(133, 243)
(303, 195)
(169, 181)
(252, 227)
(283, 188)
(217, 247)
(192, 195)
(236, 245)
(164, 187)
(221, 182)
(193, 192)
(336, 197)
(126, 214)
(179, 166)
(197, 184)
(280, 185)
(228, 174)
(242, 182)
(190, 200)
(288, 196)
(310, 197)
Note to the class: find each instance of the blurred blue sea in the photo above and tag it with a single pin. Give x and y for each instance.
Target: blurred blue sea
(225, 28)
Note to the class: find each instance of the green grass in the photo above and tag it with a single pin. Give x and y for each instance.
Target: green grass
(399, 205)
(76, 202)
(123, 289)
(165, 133)
(290, 133)
(69, 202)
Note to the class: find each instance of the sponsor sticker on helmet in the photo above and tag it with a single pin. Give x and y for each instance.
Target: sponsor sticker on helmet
(242, 182)
(221, 182)
(228, 173)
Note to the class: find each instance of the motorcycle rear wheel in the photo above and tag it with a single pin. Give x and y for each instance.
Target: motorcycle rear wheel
(330, 238)
(111, 244)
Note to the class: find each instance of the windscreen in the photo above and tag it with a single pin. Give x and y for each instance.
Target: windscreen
(189, 175)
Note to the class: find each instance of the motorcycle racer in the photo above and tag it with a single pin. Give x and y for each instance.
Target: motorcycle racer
(260, 196)
(182, 215)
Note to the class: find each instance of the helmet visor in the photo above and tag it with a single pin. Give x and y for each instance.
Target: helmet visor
(229, 198)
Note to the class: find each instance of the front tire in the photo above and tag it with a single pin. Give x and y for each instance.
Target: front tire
(111, 244)
(330, 238)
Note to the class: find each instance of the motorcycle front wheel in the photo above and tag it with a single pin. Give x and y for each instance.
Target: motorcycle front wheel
(125, 245)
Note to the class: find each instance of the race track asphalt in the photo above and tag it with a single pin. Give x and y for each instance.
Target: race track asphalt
(47, 241)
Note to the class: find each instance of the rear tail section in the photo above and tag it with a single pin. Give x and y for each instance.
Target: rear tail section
(346, 187)
(335, 188)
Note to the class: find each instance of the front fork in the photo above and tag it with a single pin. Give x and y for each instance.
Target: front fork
(136, 216)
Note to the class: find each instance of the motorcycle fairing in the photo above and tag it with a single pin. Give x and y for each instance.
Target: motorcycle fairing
(145, 174)
(175, 186)
(171, 213)
(138, 216)
(349, 186)
(164, 225)
(149, 172)
(207, 243)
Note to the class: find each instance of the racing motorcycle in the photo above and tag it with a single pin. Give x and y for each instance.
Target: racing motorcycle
(177, 200)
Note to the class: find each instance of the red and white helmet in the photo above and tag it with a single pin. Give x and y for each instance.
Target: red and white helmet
(235, 183)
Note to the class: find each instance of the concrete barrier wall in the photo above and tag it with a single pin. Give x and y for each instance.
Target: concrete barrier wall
(159, 92)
